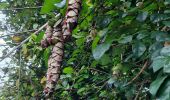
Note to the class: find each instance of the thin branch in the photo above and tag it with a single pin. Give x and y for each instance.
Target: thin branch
(11, 9)
(143, 68)
(14, 33)
(42, 27)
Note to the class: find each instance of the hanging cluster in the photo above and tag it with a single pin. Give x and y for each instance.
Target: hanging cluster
(56, 35)
(53, 37)
(71, 18)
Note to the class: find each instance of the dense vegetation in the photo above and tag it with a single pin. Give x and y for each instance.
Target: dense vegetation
(118, 51)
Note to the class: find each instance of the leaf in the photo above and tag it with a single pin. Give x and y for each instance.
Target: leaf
(68, 70)
(142, 16)
(158, 63)
(40, 37)
(95, 42)
(155, 85)
(166, 68)
(162, 36)
(17, 39)
(138, 49)
(43, 80)
(105, 59)
(35, 25)
(166, 23)
(81, 90)
(141, 35)
(167, 2)
(103, 21)
(164, 91)
(125, 39)
(61, 4)
(46, 56)
(165, 51)
(102, 48)
(48, 6)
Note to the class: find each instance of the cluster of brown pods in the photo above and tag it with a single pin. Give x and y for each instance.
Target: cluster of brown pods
(56, 36)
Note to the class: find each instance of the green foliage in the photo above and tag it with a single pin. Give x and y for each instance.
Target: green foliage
(111, 43)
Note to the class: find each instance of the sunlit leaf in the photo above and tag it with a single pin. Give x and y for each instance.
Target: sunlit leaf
(155, 85)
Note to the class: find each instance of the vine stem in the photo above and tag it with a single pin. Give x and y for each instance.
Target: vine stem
(8, 54)
(143, 68)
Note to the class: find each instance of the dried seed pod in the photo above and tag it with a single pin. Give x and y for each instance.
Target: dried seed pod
(71, 18)
(54, 62)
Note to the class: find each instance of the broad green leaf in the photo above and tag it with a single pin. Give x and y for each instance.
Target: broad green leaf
(138, 49)
(103, 21)
(155, 85)
(48, 6)
(35, 25)
(81, 90)
(158, 63)
(33, 36)
(166, 68)
(161, 36)
(158, 17)
(40, 37)
(167, 2)
(61, 4)
(68, 70)
(166, 23)
(164, 91)
(125, 39)
(141, 34)
(102, 48)
(105, 59)
(142, 16)
(165, 51)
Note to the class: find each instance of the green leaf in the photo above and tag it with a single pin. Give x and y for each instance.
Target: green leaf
(35, 25)
(165, 51)
(48, 6)
(162, 36)
(166, 68)
(164, 91)
(105, 59)
(166, 23)
(158, 63)
(102, 48)
(68, 70)
(126, 39)
(138, 49)
(95, 42)
(46, 56)
(167, 2)
(61, 4)
(155, 85)
(40, 37)
(3, 5)
(142, 16)
(141, 35)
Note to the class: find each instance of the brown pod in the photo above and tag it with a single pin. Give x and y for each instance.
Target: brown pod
(54, 62)
(71, 18)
